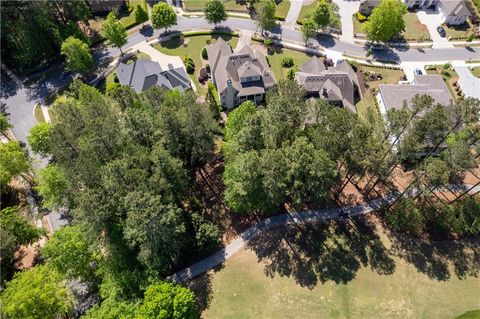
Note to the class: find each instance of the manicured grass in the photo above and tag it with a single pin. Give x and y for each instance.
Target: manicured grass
(282, 9)
(367, 103)
(474, 314)
(275, 58)
(307, 10)
(476, 71)
(199, 5)
(415, 31)
(358, 26)
(128, 18)
(192, 46)
(295, 278)
(458, 32)
(39, 114)
(449, 77)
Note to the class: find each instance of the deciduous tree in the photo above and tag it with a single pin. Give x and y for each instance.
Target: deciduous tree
(215, 11)
(114, 31)
(40, 138)
(78, 55)
(163, 16)
(386, 20)
(265, 10)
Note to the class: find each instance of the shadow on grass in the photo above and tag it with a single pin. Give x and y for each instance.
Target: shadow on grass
(321, 252)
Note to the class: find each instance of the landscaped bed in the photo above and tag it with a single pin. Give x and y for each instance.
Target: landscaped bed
(460, 32)
(192, 47)
(342, 271)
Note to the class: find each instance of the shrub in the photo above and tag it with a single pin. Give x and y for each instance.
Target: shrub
(115, 78)
(207, 66)
(204, 54)
(447, 66)
(140, 14)
(287, 62)
(111, 86)
(360, 17)
(267, 42)
(208, 41)
(190, 68)
(188, 60)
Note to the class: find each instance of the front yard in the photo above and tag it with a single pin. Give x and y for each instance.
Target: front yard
(415, 31)
(192, 47)
(460, 32)
(282, 9)
(230, 5)
(128, 18)
(275, 60)
(307, 10)
(476, 71)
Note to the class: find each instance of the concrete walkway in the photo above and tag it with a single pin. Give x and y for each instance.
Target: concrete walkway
(293, 13)
(346, 10)
(469, 84)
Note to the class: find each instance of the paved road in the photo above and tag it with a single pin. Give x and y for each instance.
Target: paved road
(280, 220)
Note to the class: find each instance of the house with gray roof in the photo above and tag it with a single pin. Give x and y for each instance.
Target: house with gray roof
(144, 74)
(395, 96)
(239, 76)
(337, 85)
(453, 12)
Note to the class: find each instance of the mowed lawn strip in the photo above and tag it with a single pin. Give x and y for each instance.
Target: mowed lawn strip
(275, 61)
(282, 9)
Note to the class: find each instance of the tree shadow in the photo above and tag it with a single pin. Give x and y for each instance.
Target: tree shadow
(322, 252)
(202, 288)
(8, 87)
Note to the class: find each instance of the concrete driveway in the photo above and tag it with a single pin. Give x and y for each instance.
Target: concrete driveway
(432, 20)
(293, 13)
(346, 10)
(469, 84)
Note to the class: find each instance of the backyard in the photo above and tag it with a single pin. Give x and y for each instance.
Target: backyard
(275, 57)
(342, 271)
(192, 47)
(388, 76)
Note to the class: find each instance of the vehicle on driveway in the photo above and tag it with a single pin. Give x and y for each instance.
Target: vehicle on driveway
(441, 31)
(417, 71)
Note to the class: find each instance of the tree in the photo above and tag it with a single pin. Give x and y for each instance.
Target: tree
(40, 138)
(215, 11)
(265, 10)
(114, 31)
(140, 14)
(167, 300)
(13, 162)
(39, 292)
(78, 55)
(211, 101)
(69, 253)
(386, 20)
(309, 29)
(323, 14)
(163, 16)
(4, 125)
(406, 217)
(111, 308)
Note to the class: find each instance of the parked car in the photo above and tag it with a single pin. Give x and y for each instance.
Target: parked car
(441, 31)
(418, 72)
(376, 46)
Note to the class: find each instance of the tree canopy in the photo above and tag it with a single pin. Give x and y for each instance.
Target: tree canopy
(114, 31)
(215, 11)
(386, 20)
(265, 10)
(163, 16)
(78, 55)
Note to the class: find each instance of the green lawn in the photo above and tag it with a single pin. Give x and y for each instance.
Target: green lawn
(128, 18)
(307, 10)
(358, 26)
(282, 9)
(476, 71)
(193, 49)
(275, 58)
(292, 273)
(367, 103)
(458, 32)
(474, 314)
(39, 114)
(199, 5)
(414, 29)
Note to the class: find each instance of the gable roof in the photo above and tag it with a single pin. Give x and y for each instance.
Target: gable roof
(143, 74)
(394, 95)
(454, 8)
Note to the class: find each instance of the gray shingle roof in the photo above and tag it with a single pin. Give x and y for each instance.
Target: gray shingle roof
(143, 74)
(394, 95)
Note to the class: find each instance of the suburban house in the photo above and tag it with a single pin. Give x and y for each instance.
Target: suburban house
(393, 96)
(453, 12)
(103, 6)
(143, 74)
(337, 84)
(239, 76)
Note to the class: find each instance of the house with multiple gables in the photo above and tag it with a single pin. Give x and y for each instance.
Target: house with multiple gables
(336, 84)
(239, 76)
(144, 74)
(453, 12)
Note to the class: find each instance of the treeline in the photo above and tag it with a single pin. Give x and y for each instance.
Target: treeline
(121, 167)
(33, 31)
